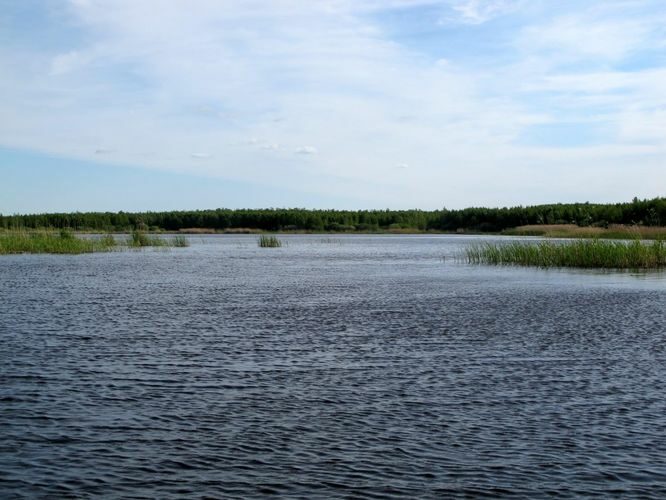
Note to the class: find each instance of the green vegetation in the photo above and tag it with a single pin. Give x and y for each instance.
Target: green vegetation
(269, 242)
(179, 241)
(637, 213)
(140, 239)
(63, 242)
(580, 253)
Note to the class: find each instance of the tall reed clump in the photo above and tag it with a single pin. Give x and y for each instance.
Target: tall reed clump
(139, 239)
(179, 241)
(63, 242)
(269, 241)
(602, 254)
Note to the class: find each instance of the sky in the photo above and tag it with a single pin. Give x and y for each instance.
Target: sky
(347, 104)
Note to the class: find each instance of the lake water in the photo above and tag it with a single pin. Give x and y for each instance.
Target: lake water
(335, 366)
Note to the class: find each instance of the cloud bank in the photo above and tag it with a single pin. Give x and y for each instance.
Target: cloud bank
(491, 102)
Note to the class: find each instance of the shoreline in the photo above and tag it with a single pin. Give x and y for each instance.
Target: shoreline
(549, 231)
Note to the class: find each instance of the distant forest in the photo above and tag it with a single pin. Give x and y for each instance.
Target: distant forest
(642, 212)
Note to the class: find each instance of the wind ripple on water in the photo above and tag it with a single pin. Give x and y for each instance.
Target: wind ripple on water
(326, 372)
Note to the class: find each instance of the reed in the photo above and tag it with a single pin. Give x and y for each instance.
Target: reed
(179, 241)
(64, 242)
(602, 254)
(139, 239)
(269, 241)
(613, 231)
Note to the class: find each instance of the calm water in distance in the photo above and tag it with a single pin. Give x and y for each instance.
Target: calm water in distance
(333, 367)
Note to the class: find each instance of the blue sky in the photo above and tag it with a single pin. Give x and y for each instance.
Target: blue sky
(147, 105)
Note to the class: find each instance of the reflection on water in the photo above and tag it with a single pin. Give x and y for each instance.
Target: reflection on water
(333, 366)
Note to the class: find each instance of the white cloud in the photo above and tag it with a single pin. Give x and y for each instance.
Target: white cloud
(257, 82)
(80, 3)
(69, 61)
(582, 36)
(643, 127)
(481, 11)
(306, 150)
(262, 144)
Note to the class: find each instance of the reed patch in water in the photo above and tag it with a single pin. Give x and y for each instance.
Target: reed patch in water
(602, 254)
(66, 242)
(63, 242)
(269, 241)
(139, 239)
(179, 241)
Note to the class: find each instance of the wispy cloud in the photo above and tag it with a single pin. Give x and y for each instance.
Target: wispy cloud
(306, 150)
(481, 11)
(581, 37)
(69, 61)
(330, 82)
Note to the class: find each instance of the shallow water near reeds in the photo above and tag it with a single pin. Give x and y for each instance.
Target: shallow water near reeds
(334, 366)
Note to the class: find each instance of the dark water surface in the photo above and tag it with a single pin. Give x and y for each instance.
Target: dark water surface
(354, 367)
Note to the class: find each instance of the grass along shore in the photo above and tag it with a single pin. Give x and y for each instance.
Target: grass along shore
(65, 242)
(600, 254)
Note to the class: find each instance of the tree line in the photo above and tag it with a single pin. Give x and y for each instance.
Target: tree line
(648, 212)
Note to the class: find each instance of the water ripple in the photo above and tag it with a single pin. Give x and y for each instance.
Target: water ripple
(366, 369)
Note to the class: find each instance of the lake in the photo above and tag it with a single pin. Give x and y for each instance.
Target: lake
(335, 366)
